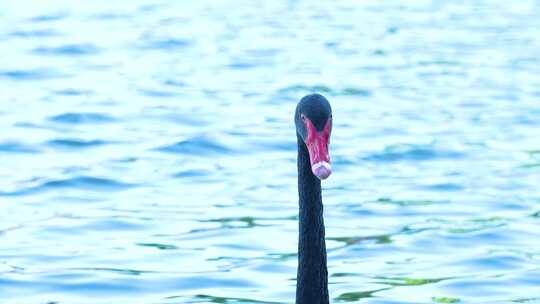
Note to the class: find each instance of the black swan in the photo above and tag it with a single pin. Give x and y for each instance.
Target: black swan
(313, 120)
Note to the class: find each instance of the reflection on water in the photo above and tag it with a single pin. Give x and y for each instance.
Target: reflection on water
(148, 150)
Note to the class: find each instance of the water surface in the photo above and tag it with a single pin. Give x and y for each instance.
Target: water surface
(147, 151)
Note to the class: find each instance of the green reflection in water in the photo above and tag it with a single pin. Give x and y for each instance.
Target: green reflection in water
(158, 246)
(351, 240)
(534, 159)
(344, 274)
(389, 201)
(215, 299)
(445, 300)
(245, 221)
(480, 224)
(406, 281)
(249, 221)
(357, 295)
(526, 300)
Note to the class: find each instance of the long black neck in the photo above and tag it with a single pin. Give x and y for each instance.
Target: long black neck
(312, 277)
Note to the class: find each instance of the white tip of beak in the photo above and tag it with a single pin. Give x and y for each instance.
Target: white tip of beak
(322, 170)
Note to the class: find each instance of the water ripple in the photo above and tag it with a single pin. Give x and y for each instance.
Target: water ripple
(34, 74)
(149, 153)
(412, 153)
(347, 91)
(196, 146)
(170, 44)
(49, 17)
(75, 143)
(73, 92)
(15, 147)
(82, 118)
(68, 50)
(192, 174)
(87, 183)
(41, 33)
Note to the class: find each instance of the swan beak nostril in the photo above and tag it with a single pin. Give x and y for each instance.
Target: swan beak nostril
(322, 170)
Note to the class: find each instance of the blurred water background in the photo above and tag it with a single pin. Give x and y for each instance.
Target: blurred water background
(148, 153)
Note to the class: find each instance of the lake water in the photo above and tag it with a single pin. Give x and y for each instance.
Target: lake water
(148, 153)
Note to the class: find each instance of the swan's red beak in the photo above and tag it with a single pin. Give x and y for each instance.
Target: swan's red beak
(317, 144)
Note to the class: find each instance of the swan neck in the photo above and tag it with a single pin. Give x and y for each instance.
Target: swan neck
(312, 276)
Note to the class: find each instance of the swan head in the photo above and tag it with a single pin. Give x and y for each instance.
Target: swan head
(313, 120)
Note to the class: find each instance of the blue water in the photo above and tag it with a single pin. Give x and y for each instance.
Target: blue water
(148, 153)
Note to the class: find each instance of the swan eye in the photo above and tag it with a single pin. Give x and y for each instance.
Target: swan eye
(303, 117)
